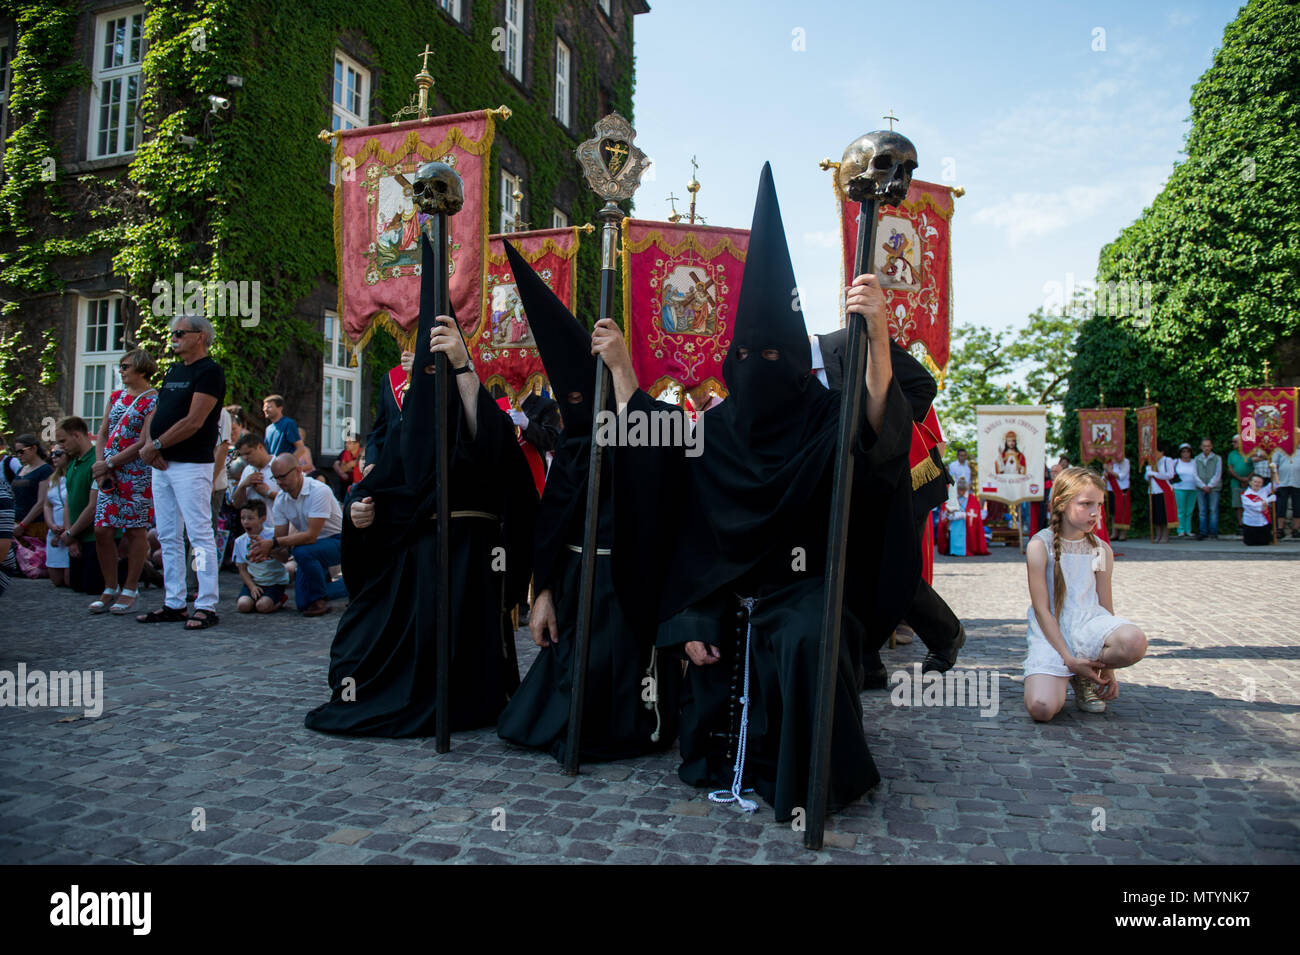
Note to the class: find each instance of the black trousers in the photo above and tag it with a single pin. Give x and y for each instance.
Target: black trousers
(84, 575)
(928, 615)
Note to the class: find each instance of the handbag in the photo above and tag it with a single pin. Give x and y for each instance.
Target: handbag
(31, 557)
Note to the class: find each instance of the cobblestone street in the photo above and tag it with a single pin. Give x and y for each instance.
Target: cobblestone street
(1198, 761)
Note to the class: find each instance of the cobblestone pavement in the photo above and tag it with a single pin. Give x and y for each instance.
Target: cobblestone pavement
(1199, 760)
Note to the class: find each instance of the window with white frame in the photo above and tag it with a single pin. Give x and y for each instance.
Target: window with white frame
(452, 7)
(515, 38)
(562, 82)
(116, 83)
(342, 384)
(510, 211)
(559, 220)
(350, 96)
(101, 343)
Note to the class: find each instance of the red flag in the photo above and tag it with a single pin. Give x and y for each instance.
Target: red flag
(1147, 436)
(502, 345)
(377, 228)
(913, 263)
(1268, 419)
(1101, 434)
(680, 287)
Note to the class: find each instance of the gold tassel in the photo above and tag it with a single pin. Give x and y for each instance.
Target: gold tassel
(924, 473)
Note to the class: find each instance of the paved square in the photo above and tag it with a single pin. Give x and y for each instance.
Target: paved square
(200, 755)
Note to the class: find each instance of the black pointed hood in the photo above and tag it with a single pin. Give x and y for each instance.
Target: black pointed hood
(564, 344)
(769, 393)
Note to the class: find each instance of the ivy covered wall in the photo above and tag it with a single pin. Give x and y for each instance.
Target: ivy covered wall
(250, 200)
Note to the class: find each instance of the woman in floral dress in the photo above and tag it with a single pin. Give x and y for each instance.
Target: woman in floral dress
(125, 503)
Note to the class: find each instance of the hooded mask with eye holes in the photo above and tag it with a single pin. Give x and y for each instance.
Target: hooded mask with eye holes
(768, 367)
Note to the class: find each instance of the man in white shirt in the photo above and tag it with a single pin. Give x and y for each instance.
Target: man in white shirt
(960, 469)
(308, 522)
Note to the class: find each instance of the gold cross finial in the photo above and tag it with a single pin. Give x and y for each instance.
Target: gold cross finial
(1267, 383)
(424, 58)
(892, 119)
(1146, 389)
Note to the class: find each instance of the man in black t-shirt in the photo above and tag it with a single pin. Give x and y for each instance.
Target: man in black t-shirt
(178, 446)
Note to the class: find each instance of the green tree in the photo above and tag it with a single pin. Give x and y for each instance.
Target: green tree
(1219, 250)
(1028, 365)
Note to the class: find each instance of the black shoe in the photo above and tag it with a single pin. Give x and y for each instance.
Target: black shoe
(942, 661)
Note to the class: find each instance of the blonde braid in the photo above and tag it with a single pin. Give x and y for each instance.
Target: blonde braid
(1058, 577)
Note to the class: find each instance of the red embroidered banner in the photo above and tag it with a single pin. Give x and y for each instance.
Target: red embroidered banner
(1268, 419)
(1101, 434)
(680, 287)
(1146, 419)
(502, 345)
(913, 263)
(377, 228)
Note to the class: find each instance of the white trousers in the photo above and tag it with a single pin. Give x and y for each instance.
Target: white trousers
(182, 500)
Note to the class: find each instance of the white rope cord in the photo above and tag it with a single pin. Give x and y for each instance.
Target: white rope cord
(652, 671)
(734, 793)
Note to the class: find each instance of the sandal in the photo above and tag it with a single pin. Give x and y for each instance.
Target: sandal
(100, 605)
(120, 608)
(203, 619)
(164, 614)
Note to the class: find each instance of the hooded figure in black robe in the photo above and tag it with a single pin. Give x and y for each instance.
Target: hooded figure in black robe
(631, 701)
(383, 662)
(745, 577)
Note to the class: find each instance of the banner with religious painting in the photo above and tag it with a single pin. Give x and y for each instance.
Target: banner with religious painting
(680, 287)
(1147, 435)
(502, 346)
(914, 265)
(1011, 447)
(1267, 418)
(1101, 434)
(377, 227)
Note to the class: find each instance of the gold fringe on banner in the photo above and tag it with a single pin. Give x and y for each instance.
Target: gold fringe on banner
(924, 473)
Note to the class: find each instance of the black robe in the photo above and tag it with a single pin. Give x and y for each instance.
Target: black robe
(383, 662)
(631, 695)
(701, 585)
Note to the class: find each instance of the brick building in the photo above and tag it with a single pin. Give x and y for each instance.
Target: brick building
(558, 64)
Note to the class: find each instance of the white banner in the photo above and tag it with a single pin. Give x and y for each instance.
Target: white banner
(1011, 447)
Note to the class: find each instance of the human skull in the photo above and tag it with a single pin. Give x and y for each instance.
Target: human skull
(878, 165)
(438, 188)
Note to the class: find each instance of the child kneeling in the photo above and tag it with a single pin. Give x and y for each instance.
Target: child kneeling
(1074, 637)
(265, 581)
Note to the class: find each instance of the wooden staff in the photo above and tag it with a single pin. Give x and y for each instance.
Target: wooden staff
(868, 190)
(439, 192)
(613, 168)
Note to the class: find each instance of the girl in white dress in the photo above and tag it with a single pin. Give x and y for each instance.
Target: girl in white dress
(1074, 637)
(56, 497)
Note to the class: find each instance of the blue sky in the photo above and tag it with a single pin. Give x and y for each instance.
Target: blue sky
(1059, 146)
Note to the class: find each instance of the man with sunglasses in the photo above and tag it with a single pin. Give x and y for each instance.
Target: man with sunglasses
(308, 521)
(178, 445)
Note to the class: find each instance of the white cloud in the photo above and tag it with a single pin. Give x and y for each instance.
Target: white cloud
(822, 240)
(1028, 215)
(1180, 18)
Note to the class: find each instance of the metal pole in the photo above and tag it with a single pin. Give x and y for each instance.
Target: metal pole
(851, 402)
(611, 214)
(441, 382)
